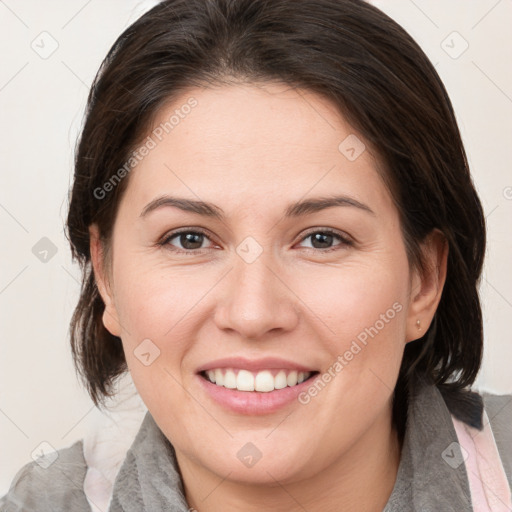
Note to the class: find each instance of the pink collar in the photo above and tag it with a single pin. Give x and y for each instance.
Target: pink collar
(488, 483)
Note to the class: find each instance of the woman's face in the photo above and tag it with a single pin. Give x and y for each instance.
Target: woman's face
(267, 283)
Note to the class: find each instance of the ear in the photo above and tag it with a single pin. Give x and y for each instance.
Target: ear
(110, 316)
(427, 286)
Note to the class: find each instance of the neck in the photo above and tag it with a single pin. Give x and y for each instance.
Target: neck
(360, 480)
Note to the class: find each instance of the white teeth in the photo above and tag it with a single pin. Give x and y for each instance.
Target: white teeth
(244, 381)
(263, 381)
(291, 380)
(280, 380)
(219, 377)
(230, 379)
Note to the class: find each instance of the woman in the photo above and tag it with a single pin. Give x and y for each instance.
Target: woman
(282, 244)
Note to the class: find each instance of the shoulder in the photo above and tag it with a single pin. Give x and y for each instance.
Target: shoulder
(52, 483)
(499, 407)
(468, 406)
(499, 412)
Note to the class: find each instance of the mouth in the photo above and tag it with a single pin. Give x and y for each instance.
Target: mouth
(263, 381)
(253, 387)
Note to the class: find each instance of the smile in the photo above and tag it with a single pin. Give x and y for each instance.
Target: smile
(263, 381)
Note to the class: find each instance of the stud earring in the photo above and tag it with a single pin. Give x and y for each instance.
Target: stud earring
(418, 324)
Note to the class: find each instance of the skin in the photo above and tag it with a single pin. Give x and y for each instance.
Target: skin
(252, 150)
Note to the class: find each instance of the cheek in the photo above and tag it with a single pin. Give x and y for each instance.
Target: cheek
(353, 297)
(363, 313)
(155, 301)
(361, 309)
(156, 308)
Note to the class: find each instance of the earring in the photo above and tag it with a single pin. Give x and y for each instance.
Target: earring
(418, 324)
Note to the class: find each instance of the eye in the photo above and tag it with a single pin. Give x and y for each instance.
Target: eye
(323, 239)
(191, 241)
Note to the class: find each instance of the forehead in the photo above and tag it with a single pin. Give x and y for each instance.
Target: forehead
(286, 122)
(254, 143)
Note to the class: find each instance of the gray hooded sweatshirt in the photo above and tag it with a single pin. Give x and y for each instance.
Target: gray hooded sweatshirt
(149, 478)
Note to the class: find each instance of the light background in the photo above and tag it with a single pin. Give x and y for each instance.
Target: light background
(41, 104)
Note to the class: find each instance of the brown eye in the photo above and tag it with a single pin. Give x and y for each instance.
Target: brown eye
(190, 240)
(185, 241)
(324, 239)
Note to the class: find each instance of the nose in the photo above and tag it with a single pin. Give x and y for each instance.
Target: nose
(256, 299)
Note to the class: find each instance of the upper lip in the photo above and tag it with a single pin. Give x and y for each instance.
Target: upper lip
(266, 363)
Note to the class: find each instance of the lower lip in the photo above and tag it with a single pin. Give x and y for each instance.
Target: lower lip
(254, 402)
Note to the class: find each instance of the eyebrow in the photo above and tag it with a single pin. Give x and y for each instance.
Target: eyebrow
(293, 210)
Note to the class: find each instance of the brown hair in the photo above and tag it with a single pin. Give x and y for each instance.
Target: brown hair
(364, 63)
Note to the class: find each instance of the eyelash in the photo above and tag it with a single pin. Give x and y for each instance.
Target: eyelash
(165, 242)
